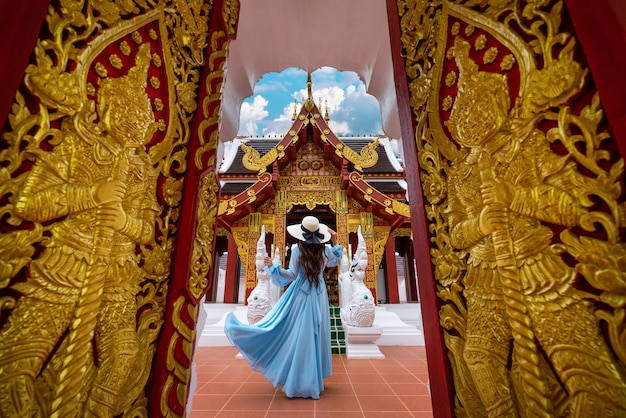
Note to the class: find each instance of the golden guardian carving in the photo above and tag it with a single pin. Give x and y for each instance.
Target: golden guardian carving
(525, 208)
(92, 178)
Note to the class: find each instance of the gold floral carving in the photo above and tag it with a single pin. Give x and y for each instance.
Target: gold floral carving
(240, 234)
(231, 15)
(202, 256)
(293, 182)
(381, 234)
(310, 199)
(402, 232)
(525, 208)
(92, 180)
(182, 340)
(210, 122)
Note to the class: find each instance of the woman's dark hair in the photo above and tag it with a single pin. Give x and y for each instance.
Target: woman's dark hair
(312, 260)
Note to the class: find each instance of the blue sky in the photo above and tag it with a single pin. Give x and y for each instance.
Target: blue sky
(269, 110)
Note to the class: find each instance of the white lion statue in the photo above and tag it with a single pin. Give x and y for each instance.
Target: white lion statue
(357, 302)
(265, 294)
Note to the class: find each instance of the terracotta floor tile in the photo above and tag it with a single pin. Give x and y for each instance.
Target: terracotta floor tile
(241, 414)
(203, 377)
(417, 403)
(248, 403)
(227, 376)
(387, 414)
(203, 402)
(224, 388)
(400, 378)
(360, 369)
(416, 368)
(366, 378)
(239, 368)
(256, 388)
(422, 376)
(338, 377)
(382, 403)
(211, 367)
(283, 403)
(337, 403)
(202, 414)
(410, 389)
(373, 389)
(393, 368)
(334, 389)
(336, 414)
(420, 414)
(290, 414)
(256, 377)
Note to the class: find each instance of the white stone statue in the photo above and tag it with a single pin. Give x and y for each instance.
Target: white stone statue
(344, 279)
(359, 308)
(265, 294)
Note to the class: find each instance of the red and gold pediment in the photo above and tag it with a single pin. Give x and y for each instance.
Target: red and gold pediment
(311, 166)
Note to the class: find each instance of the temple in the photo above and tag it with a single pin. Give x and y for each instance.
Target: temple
(346, 182)
(504, 218)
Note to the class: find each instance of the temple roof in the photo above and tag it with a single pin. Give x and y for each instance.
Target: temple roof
(310, 158)
(387, 161)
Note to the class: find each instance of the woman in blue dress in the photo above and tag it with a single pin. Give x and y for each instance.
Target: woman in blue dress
(290, 346)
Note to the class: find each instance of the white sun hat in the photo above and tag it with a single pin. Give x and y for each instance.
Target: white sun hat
(310, 231)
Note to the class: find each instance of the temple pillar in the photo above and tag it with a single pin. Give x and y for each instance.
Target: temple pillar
(232, 271)
(367, 230)
(391, 271)
(254, 232)
(341, 217)
(280, 223)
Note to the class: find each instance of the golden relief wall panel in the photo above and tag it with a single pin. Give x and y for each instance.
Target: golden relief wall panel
(523, 186)
(93, 159)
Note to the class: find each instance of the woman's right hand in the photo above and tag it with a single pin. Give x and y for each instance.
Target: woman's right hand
(267, 261)
(333, 236)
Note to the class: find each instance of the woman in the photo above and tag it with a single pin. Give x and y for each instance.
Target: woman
(290, 346)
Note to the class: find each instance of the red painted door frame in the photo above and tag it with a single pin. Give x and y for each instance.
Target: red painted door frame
(601, 29)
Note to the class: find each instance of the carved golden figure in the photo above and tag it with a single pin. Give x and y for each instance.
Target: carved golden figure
(99, 186)
(519, 293)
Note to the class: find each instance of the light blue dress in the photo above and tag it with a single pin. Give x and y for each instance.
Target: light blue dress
(290, 346)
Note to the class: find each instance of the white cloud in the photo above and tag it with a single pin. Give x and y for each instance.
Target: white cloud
(339, 128)
(331, 96)
(251, 114)
(351, 109)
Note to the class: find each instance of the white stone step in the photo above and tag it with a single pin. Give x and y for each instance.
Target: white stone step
(396, 331)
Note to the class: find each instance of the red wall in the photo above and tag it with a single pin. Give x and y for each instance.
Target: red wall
(20, 22)
(601, 29)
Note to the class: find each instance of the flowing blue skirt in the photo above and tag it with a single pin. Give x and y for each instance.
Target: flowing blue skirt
(290, 346)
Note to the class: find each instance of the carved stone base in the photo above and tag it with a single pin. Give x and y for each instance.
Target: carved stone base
(360, 342)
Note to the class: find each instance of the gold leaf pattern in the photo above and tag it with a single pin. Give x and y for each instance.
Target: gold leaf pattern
(480, 43)
(115, 61)
(490, 55)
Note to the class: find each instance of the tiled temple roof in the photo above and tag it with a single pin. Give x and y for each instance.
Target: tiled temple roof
(262, 145)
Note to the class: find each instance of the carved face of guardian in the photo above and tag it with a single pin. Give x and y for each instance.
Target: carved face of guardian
(482, 104)
(123, 105)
